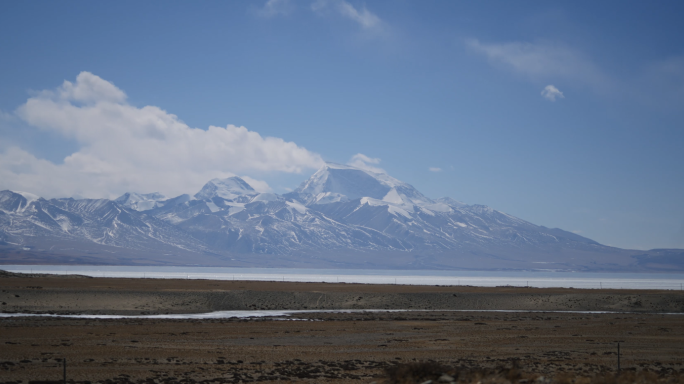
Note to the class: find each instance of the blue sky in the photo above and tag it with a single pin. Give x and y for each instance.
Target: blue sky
(565, 114)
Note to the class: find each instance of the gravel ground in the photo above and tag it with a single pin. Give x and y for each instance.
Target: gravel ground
(325, 347)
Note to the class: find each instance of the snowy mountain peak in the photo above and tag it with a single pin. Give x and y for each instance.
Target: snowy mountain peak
(228, 189)
(30, 197)
(351, 182)
(16, 201)
(334, 183)
(450, 202)
(141, 201)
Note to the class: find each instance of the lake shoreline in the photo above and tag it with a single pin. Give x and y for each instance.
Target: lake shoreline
(73, 295)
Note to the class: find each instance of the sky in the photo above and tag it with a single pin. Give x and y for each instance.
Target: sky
(565, 114)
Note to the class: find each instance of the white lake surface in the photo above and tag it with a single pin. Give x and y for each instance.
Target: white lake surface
(284, 314)
(539, 279)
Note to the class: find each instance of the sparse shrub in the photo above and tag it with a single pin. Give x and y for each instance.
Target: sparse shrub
(417, 373)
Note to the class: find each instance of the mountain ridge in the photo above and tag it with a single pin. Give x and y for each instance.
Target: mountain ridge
(342, 216)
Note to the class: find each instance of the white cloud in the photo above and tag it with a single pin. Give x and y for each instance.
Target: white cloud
(360, 157)
(364, 162)
(126, 148)
(363, 17)
(542, 60)
(88, 89)
(258, 185)
(660, 84)
(550, 92)
(274, 8)
(435, 169)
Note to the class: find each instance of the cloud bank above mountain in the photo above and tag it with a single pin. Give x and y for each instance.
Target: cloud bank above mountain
(127, 148)
(364, 162)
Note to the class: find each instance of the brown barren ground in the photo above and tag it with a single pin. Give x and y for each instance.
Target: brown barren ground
(328, 347)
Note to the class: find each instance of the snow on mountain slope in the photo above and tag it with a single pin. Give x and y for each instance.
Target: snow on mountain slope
(223, 196)
(341, 180)
(342, 207)
(357, 188)
(450, 202)
(334, 183)
(229, 189)
(228, 215)
(380, 202)
(88, 221)
(141, 201)
(11, 201)
(339, 210)
(281, 227)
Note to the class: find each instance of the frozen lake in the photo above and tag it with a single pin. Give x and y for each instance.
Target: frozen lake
(284, 314)
(539, 279)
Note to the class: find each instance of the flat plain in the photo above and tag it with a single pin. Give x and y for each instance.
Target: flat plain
(447, 325)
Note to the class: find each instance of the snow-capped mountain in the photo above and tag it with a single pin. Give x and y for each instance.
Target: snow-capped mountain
(87, 226)
(231, 216)
(338, 183)
(227, 189)
(398, 210)
(341, 216)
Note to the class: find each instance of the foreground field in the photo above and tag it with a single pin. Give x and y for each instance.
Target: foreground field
(324, 347)
(64, 294)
